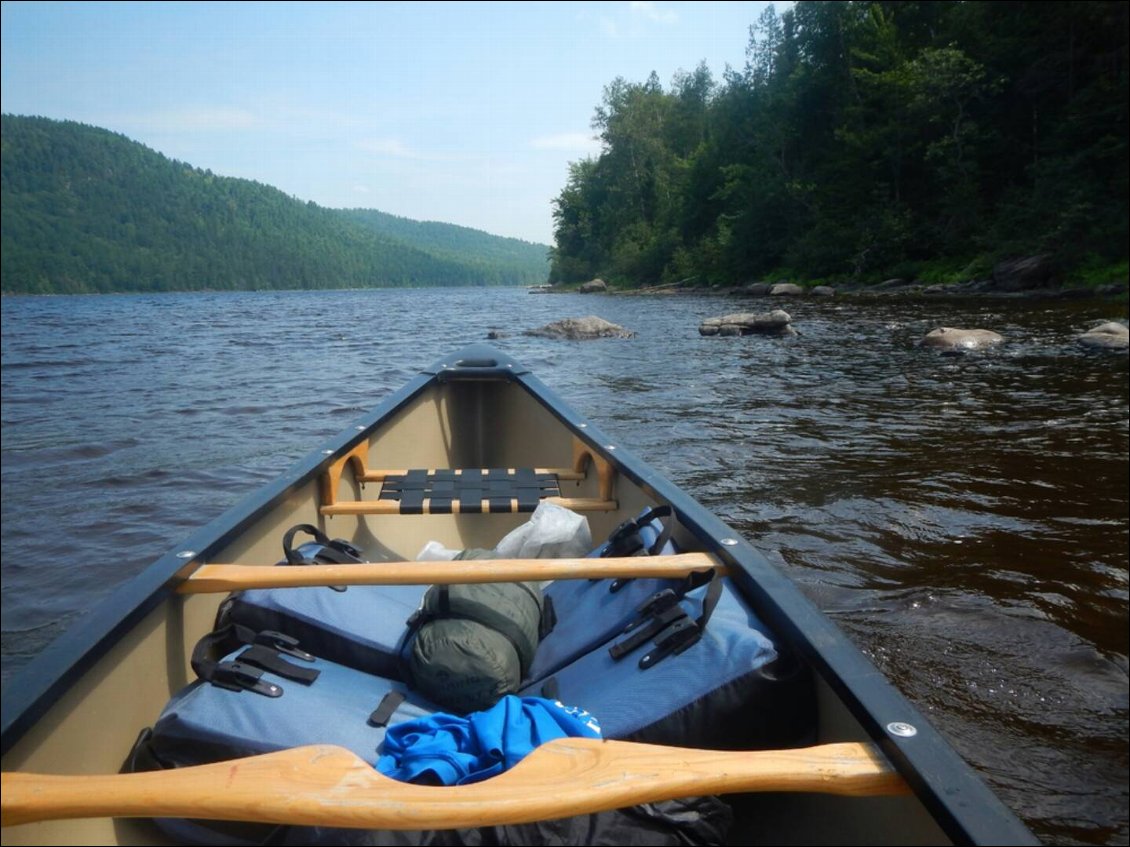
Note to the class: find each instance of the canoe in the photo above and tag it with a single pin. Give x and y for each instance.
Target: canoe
(868, 768)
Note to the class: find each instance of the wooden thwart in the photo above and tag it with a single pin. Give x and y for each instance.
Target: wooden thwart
(393, 507)
(211, 579)
(330, 786)
(357, 458)
(382, 475)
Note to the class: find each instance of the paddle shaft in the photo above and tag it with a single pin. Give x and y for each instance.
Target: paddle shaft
(211, 579)
(330, 786)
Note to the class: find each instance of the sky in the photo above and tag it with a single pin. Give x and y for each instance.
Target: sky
(467, 113)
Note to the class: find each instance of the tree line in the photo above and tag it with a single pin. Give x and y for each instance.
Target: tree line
(86, 210)
(865, 140)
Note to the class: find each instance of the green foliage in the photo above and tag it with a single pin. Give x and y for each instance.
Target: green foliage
(864, 140)
(85, 210)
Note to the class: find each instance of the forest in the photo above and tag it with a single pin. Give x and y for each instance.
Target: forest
(85, 210)
(863, 141)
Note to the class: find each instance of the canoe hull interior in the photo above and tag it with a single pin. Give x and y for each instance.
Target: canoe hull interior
(81, 705)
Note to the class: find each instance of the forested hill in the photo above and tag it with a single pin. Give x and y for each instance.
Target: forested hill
(865, 140)
(87, 210)
(493, 253)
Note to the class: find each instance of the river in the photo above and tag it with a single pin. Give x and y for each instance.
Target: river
(964, 520)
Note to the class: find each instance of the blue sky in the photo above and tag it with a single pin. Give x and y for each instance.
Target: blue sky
(467, 112)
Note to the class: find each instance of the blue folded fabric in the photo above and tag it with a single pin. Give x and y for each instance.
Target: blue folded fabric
(455, 750)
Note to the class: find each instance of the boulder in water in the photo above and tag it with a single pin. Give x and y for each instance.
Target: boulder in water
(950, 339)
(1110, 335)
(581, 329)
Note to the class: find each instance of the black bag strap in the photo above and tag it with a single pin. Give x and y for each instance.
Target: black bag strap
(245, 671)
(626, 539)
(292, 558)
(335, 551)
(684, 632)
(662, 618)
(386, 708)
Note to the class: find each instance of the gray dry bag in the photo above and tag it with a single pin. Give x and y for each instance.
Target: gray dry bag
(470, 645)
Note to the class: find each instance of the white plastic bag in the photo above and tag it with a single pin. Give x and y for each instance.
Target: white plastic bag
(552, 532)
(435, 552)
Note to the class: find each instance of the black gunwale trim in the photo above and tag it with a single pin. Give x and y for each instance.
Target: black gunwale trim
(960, 801)
(36, 687)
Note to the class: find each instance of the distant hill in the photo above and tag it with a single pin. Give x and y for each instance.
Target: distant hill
(86, 210)
(460, 243)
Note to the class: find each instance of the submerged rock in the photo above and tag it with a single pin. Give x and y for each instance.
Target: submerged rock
(959, 340)
(581, 329)
(785, 289)
(1106, 336)
(777, 322)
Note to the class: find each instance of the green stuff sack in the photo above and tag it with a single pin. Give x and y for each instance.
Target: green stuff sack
(470, 645)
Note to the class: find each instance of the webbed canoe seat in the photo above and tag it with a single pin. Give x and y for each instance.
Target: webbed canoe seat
(429, 491)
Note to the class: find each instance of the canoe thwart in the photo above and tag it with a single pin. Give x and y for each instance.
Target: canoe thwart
(217, 578)
(428, 506)
(419, 491)
(330, 786)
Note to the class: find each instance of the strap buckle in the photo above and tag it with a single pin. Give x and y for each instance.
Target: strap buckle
(674, 640)
(654, 615)
(239, 676)
(281, 643)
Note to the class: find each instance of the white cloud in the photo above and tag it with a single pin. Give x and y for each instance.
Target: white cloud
(578, 142)
(650, 11)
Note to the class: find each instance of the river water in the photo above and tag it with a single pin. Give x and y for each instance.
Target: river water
(964, 520)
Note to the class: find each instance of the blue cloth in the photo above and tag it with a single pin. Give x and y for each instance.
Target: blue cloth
(455, 750)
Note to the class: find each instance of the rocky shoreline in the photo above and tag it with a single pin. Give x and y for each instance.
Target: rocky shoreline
(1034, 277)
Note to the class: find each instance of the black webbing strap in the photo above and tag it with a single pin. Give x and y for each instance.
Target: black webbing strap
(659, 622)
(662, 619)
(264, 657)
(386, 708)
(626, 540)
(335, 551)
(238, 676)
(684, 632)
(473, 490)
(246, 670)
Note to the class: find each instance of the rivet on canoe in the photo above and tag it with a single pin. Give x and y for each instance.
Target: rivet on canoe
(903, 730)
(327, 452)
(186, 554)
(610, 446)
(360, 428)
(730, 542)
(582, 425)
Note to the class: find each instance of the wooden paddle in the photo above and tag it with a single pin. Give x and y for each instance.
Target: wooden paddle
(210, 579)
(330, 786)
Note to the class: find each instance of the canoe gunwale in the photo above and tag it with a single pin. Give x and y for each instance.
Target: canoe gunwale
(961, 803)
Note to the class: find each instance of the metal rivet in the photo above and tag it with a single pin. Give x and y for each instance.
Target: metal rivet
(582, 425)
(186, 554)
(610, 446)
(901, 729)
(730, 542)
(327, 452)
(361, 429)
